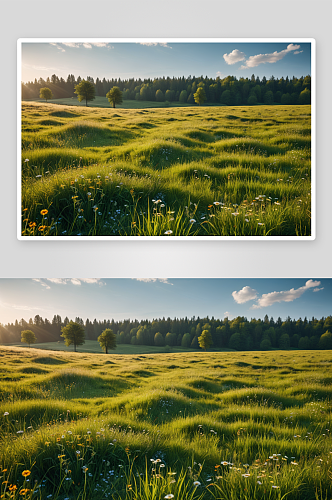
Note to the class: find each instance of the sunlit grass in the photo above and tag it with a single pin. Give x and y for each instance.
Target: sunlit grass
(245, 158)
(219, 425)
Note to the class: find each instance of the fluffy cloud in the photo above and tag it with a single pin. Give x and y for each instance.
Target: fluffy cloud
(234, 56)
(161, 280)
(244, 295)
(58, 47)
(318, 289)
(268, 299)
(153, 44)
(298, 51)
(254, 61)
(65, 281)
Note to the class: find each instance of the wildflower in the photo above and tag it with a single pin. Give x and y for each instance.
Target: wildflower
(26, 160)
(275, 487)
(38, 176)
(245, 475)
(169, 496)
(6, 413)
(12, 487)
(192, 221)
(26, 473)
(168, 232)
(74, 197)
(196, 484)
(235, 213)
(224, 463)
(259, 482)
(24, 491)
(19, 432)
(32, 224)
(42, 228)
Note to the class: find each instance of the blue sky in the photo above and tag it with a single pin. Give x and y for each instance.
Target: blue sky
(148, 298)
(150, 59)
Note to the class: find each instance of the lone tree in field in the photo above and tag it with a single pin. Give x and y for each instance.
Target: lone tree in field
(107, 340)
(45, 93)
(200, 96)
(85, 90)
(28, 337)
(205, 340)
(73, 333)
(114, 96)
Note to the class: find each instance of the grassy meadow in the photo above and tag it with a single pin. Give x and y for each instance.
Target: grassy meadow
(175, 171)
(226, 425)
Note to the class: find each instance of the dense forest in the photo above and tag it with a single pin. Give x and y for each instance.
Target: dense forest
(228, 91)
(238, 333)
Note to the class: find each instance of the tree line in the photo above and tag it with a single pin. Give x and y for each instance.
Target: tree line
(238, 333)
(229, 90)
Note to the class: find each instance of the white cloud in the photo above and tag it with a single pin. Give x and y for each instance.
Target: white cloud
(42, 283)
(154, 44)
(298, 52)
(39, 68)
(244, 295)
(254, 61)
(267, 299)
(58, 281)
(219, 74)
(234, 56)
(87, 45)
(58, 47)
(20, 307)
(148, 280)
(318, 289)
(71, 44)
(75, 281)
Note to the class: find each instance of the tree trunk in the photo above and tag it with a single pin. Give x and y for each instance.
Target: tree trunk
(113, 104)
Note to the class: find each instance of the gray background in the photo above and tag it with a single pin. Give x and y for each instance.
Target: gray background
(145, 18)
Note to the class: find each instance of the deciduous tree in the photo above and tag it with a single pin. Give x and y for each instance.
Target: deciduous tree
(114, 96)
(200, 96)
(74, 334)
(85, 91)
(28, 337)
(107, 340)
(45, 93)
(205, 340)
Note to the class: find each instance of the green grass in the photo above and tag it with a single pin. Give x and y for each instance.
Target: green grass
(180, 171)
(93, 346)
(246, 426)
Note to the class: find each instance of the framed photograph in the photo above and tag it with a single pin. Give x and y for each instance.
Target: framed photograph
(170, 388)
(162, 138)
